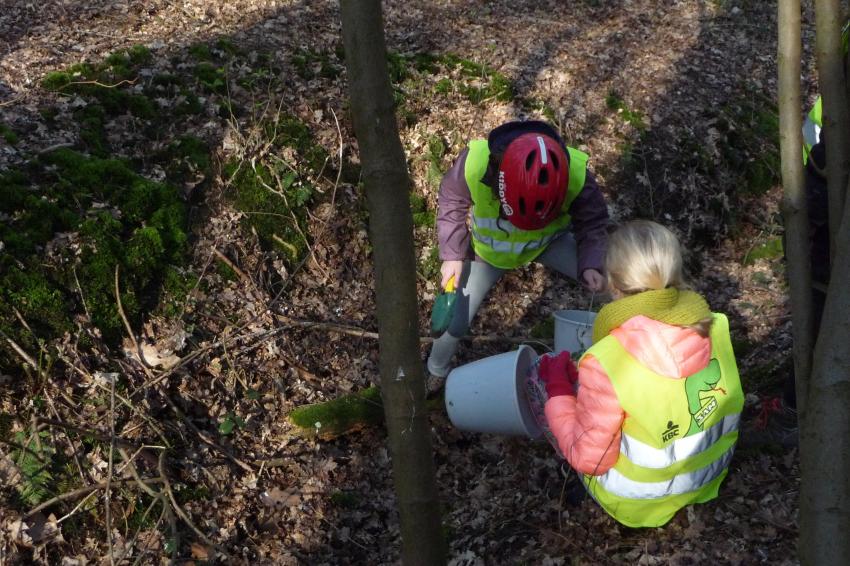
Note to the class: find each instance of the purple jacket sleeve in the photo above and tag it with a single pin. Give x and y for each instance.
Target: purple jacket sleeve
(453, 204)
(590, 221)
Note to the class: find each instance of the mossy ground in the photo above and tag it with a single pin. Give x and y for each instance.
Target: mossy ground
(274, 194)
(341, 415)
(115, 218)
(74, 215)
(345, 414)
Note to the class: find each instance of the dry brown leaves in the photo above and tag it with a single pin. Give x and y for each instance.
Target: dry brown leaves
(332, 503)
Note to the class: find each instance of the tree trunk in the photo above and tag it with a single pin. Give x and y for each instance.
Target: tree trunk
(825, 430)
(794, 207)
(825, 427)
(836, 113)
(391, 226)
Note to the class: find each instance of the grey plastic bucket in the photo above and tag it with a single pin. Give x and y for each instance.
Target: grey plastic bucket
(573, 330)
(489, 395)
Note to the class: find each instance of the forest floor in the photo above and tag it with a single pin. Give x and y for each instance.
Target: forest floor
(216, 168)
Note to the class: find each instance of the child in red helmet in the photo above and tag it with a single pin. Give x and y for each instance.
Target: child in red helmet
(528, 197)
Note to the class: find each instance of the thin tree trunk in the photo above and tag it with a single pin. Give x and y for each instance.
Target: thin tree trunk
(836, 113)
(825, 430)
(794, 200)
(391, 226)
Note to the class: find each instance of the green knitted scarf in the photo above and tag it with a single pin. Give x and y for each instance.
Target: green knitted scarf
(664, 305)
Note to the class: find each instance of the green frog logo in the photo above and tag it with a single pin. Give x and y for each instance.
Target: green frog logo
(695, 385)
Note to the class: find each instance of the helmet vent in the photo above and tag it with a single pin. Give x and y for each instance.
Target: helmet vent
(543, 177)
(529, 161)
(538, 206)
(554, 159)
(522, 205)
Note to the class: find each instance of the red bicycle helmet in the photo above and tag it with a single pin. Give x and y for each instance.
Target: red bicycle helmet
(533, 178)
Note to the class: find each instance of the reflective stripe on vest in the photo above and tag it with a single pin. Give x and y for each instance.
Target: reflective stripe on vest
(811, 128)
(615, 482)
(495, 239)
(649, 457)
(678, 434)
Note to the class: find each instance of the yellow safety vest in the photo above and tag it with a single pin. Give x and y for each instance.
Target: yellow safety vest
(496, 240)
(813, 123)
(678, 435)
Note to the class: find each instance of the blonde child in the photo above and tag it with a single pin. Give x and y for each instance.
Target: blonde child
(650, 419)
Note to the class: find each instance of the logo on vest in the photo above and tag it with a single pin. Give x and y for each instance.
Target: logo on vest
(508, 209)
(700, 408)
(671, 432)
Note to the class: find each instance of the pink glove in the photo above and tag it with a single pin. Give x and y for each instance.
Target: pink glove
(558, 373)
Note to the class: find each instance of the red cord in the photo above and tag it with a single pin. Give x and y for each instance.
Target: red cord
(768, 406)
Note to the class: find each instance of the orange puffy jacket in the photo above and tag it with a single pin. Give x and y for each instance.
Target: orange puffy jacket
(587, 426)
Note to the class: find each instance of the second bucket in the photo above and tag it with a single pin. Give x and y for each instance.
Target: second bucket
(489, 395)
(573, 330)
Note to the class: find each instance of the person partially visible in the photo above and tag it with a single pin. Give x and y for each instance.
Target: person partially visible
(519, 196)
(817, 203)
(650, 418)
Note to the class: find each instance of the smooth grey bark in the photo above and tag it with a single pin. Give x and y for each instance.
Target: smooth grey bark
(794, 206)
(825, 427)
(794, 209)
(387, 187)
(836, 113)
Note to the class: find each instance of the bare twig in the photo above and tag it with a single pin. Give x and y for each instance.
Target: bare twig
(158, 497)
(362, 333)
(96, 83)
(23, 321)
(179, 510)
(90, 432)
(21, 352)
(54, 147)
(226, 260)
(10, 102)
(339, 168)
(82, 491)
(124, 401)
(80, 290)
(127, 326)
(107, 495)
(50, 402)
(69, 514)
(22, 448)
(204, 438)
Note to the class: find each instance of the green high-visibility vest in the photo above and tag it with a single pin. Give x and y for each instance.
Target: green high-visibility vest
(813, 123)
(496, 240)
(811, 128)
(678, 435)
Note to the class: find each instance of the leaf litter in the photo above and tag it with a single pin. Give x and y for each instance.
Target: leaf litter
(687, 75)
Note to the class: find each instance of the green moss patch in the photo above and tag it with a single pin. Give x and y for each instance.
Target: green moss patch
(771, 249)
(340, 416)
(8, 134)
(274, 194)
(72, 219)
(105, 83)
(544, 330)
(422, 216)
(429, 264)
(634, 117)
(211, 77)
(474, 81)
(311, 64)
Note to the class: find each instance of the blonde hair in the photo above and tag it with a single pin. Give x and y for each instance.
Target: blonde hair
(645, 256)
